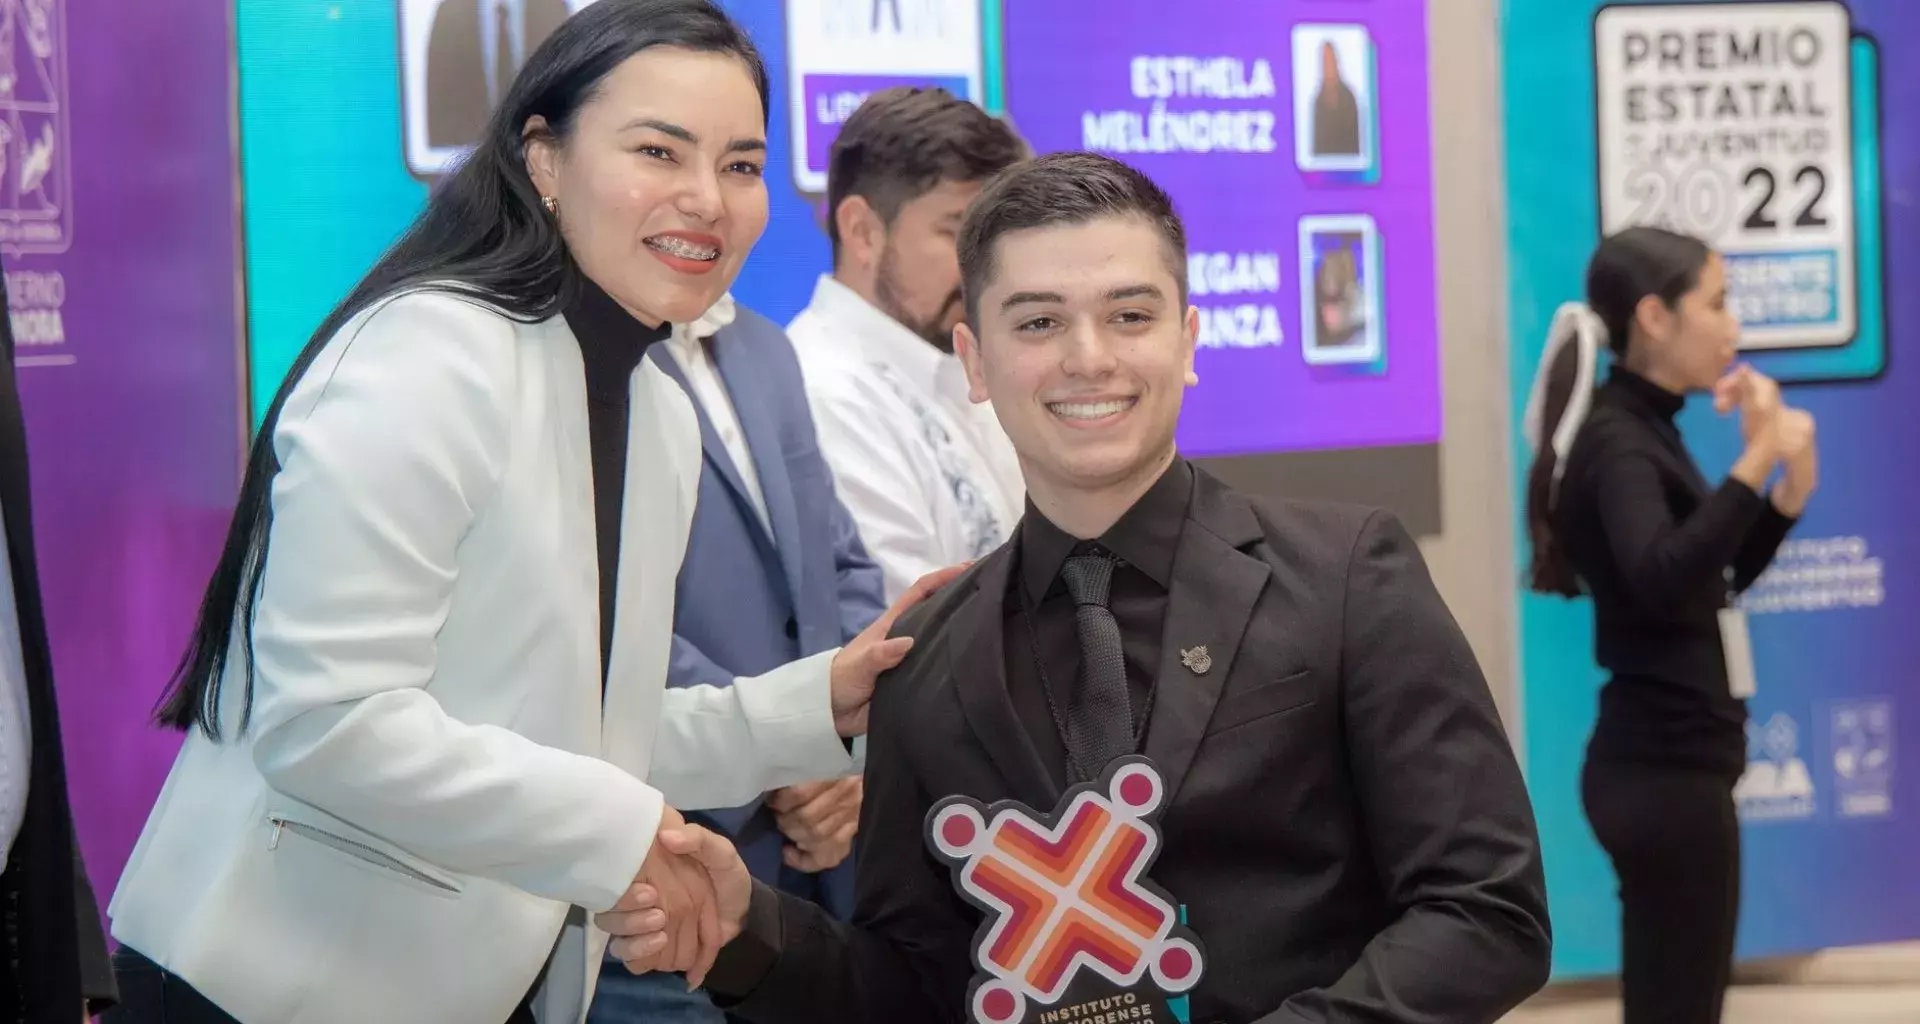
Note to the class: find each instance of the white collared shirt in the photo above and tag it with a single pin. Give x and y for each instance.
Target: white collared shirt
(16, 733)
(929, 477)
(691, 352)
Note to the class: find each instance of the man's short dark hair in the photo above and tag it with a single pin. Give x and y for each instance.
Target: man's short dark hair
(1063, 189)
(904, 142)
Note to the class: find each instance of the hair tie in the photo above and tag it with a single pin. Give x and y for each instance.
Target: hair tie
(1573, 323)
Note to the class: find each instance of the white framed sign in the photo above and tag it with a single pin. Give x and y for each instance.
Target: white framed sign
(841, 51)
(457, 58)
(1734, 122)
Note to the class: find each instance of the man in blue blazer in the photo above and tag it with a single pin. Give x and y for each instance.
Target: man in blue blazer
(774, 571)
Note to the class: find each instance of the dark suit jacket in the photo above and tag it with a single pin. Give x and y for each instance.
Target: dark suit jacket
(52, 950)
(749, 601)
(1348, 827)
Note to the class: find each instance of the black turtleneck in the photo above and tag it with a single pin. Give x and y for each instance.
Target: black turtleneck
(612, 343)
(1662, 552)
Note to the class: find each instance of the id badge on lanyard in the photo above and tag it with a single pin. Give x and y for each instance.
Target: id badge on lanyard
(1737, 644)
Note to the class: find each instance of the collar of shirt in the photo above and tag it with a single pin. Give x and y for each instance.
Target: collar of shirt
(1145, 537)
(687, 342)
(1645, 396)
(881, 338)
(612, 342)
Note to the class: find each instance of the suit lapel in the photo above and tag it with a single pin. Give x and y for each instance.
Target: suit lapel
(567, 388)
(660, 493)
(1215, 587)
(978, 654)
(755, 412)
(712, 448)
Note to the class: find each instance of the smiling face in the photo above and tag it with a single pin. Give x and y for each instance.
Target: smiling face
(660, 180)
(1084, 346)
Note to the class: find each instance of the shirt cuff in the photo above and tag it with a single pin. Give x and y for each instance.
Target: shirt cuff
(746, 961)
(790, 711)
(1747, 497)
(1772, 515)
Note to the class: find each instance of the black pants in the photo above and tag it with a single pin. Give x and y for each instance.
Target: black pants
(152, 995)
(1674, 839)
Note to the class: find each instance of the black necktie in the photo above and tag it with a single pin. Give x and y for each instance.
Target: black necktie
(1100, 712)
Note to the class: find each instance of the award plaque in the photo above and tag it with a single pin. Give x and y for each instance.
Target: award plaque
(1074, 931)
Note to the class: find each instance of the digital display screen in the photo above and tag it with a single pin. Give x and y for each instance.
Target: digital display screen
(1296, 147)
(1293, 136)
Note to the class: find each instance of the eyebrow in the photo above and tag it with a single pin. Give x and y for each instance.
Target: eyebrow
(1131, 291)
(1030, 298)
(1135, 291)
(668, 128)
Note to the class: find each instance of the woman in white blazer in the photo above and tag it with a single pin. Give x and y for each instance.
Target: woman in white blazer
(428, 731)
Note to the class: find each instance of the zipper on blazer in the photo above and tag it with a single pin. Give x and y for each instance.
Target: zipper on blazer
(359, 851)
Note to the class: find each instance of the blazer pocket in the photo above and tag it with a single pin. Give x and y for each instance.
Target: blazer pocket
(1264, 700)
(368, 855)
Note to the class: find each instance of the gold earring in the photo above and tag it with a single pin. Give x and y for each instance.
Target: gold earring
(552, 205)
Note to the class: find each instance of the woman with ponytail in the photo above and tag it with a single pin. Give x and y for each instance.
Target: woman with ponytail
(1617, 509)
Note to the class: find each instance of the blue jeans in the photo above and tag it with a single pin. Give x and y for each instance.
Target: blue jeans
(627, 998)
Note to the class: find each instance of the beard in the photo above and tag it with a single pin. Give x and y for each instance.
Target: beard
(888, 296)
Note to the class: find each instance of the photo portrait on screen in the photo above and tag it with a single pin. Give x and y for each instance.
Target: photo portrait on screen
(457, 58)
(1333, 101)
(1340, 289)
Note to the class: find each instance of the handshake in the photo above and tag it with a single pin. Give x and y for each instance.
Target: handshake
(690, 898)
(688, 901)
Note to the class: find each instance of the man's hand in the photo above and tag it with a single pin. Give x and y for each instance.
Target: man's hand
(819, 819)
(861, 661)
(668, 917)
(643, 932)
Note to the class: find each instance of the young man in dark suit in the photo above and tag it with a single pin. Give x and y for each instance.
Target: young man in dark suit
(1344, 819)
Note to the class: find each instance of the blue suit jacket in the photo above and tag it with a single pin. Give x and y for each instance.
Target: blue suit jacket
(749, 602)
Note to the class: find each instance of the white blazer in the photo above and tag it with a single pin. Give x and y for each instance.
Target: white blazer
(431, 797)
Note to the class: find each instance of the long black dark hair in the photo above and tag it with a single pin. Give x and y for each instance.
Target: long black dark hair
(483, 232)
(1627, 268)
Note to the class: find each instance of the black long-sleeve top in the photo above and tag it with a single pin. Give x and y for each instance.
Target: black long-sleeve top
(612, 343)
(1662, 553)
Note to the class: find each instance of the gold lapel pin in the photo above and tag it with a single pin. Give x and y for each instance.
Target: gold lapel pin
(1197, 660)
